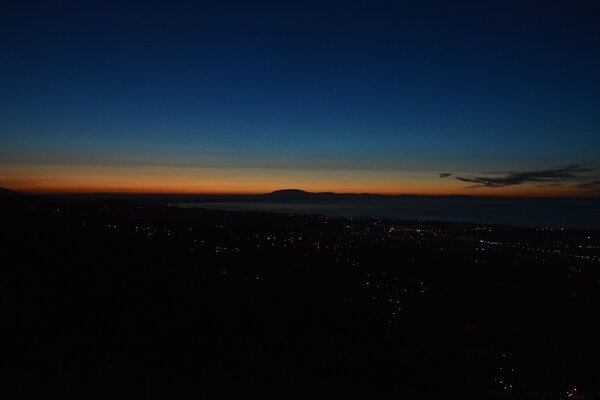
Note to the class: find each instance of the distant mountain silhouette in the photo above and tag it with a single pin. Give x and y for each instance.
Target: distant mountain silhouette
(11, 192)
(288, 194)
(301, 195)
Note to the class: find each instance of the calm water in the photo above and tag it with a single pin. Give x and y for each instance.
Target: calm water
(561, 213)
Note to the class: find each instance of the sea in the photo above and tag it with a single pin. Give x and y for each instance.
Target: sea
(577, 213)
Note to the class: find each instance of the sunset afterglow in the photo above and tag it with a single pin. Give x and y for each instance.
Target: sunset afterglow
(377, 102)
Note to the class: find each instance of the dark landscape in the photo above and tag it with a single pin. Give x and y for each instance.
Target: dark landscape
(130, 297)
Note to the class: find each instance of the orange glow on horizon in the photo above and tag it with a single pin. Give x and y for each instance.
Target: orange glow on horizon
(213, 181)
(190, 188)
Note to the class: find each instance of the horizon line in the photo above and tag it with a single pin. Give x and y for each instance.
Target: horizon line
(215, 194)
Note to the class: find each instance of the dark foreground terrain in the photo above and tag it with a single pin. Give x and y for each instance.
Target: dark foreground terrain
(123, 299)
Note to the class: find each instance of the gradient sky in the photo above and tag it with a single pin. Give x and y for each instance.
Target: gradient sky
(248, 97)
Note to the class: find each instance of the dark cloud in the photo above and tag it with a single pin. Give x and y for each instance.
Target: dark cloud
(593, 185)
(543, 177)
(445, 174)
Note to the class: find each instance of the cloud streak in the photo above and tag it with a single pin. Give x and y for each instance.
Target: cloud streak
(591, 185)
(540, 177)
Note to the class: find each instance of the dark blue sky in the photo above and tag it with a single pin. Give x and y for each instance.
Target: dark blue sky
(359, 92)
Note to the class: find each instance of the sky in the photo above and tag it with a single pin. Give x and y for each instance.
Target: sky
(398, 97)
